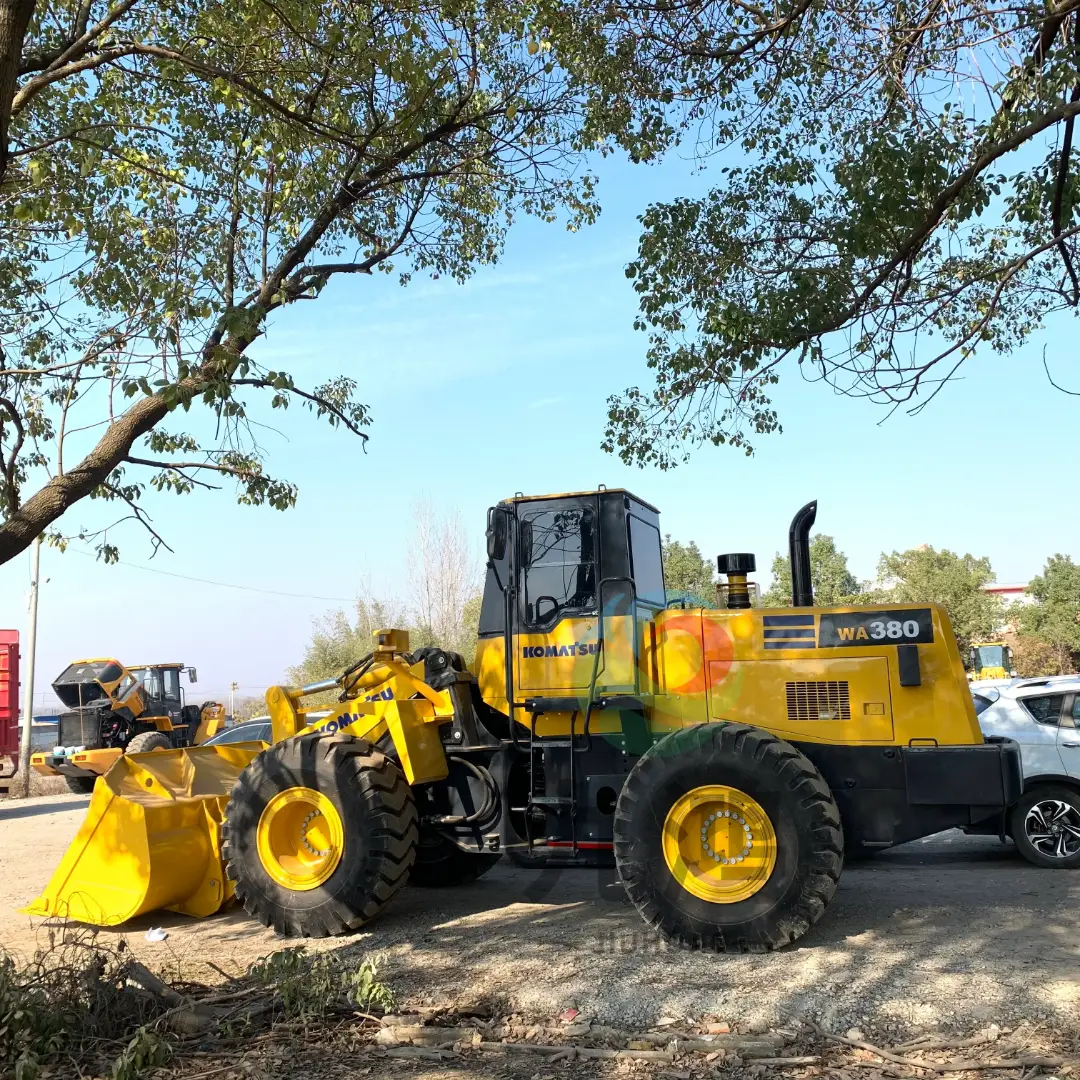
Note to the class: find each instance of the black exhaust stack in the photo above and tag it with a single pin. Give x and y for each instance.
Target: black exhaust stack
(802, 588)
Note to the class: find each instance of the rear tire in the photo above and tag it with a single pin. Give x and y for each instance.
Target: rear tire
(442, 864)
(1057, 808)
(377, 819)
(80, 785)
(149, 740)
(784, 791)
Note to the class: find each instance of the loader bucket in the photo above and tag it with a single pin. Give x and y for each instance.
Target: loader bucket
(151, 838)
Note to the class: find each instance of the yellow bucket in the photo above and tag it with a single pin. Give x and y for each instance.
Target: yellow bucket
(151, 838)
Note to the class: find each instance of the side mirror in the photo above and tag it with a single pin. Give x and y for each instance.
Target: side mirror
(496, 533)
(192, 674)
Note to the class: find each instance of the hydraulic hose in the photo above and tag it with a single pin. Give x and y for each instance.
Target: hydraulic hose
(489, 803)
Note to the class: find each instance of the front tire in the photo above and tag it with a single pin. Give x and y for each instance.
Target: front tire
(149, 740)
(727, 838)
(1045, 825)
(319, 834)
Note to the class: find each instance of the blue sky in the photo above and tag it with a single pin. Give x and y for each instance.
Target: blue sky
(481, 390)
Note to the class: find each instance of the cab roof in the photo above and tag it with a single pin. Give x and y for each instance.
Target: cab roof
(576, 494)
(113, 660)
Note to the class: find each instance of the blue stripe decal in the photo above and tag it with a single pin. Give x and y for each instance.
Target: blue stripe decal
(788, 620)
(789, 632)
(790, 645)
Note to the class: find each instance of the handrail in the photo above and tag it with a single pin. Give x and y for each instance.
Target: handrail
(600, 644)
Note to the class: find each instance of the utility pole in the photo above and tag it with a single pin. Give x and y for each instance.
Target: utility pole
(233, 687)
(28, 670)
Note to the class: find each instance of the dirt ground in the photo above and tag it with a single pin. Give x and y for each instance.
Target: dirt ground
(946, 933)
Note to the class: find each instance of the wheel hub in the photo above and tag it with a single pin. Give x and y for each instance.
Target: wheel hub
(719, 844)
(300, 838)
(1052, 827)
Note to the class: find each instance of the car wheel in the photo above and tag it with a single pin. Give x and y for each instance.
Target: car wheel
(1045, 824)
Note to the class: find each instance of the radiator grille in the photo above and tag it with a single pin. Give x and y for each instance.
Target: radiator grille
(80, 729)
(818, 701)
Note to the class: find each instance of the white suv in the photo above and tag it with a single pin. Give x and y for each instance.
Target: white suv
(1043, 716)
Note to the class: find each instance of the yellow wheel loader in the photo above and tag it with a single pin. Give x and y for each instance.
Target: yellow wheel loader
(990, 660)
(112, 710)
(721, 759)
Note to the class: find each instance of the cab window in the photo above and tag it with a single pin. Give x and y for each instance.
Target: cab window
(558, 552)
(151, 681)
(1045, 709)
(172, 684)
(647, 564)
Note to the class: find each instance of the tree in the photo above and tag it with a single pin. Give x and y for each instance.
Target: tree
(907, 193)
(834, 584)
(687, 573)
(338, 642)
(444, 578)
(1032, 657)
(247, 708)
(441, 608)
(175, 176)
(924, 575)
(1054, 615)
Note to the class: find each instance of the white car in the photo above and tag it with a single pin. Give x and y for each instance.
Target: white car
(1042, 715)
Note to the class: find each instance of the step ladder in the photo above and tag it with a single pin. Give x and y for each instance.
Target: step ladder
(576, 743)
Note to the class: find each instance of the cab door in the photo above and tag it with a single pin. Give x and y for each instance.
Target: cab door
(558, 552)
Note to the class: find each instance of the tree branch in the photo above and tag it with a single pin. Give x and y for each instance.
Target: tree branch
(140, 515)
(265, 384)
(15, 17)
(1063, 177)
(61, 492)
(11, 487)
(178, 466)
(37, 61)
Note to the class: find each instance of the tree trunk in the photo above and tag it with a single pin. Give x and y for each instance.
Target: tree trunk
(14, 19)
(62, 492)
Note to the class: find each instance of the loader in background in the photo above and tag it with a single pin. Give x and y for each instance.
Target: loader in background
(112, 710)
(990, 660)
(720, 758)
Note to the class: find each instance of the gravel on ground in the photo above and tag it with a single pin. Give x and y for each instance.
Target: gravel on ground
(947, 933)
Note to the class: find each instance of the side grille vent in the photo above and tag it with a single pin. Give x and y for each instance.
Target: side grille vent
(818, 701)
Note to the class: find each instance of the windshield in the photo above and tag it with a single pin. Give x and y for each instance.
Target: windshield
(991, 656)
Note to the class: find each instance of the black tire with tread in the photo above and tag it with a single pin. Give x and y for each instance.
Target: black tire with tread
(149, 740)
(80, 785)
(789, 789)
(442, 864)
(1019, 813)
(378, 817)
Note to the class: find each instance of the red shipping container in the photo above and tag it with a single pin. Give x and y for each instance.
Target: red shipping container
(9, 700)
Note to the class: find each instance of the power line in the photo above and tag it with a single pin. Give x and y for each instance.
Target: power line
(224, 584)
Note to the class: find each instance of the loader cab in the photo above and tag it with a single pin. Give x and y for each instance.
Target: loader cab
(161, 689)
(571, 581)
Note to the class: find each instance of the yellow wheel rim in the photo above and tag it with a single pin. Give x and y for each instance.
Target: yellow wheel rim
(300, 838)
(719, 844)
